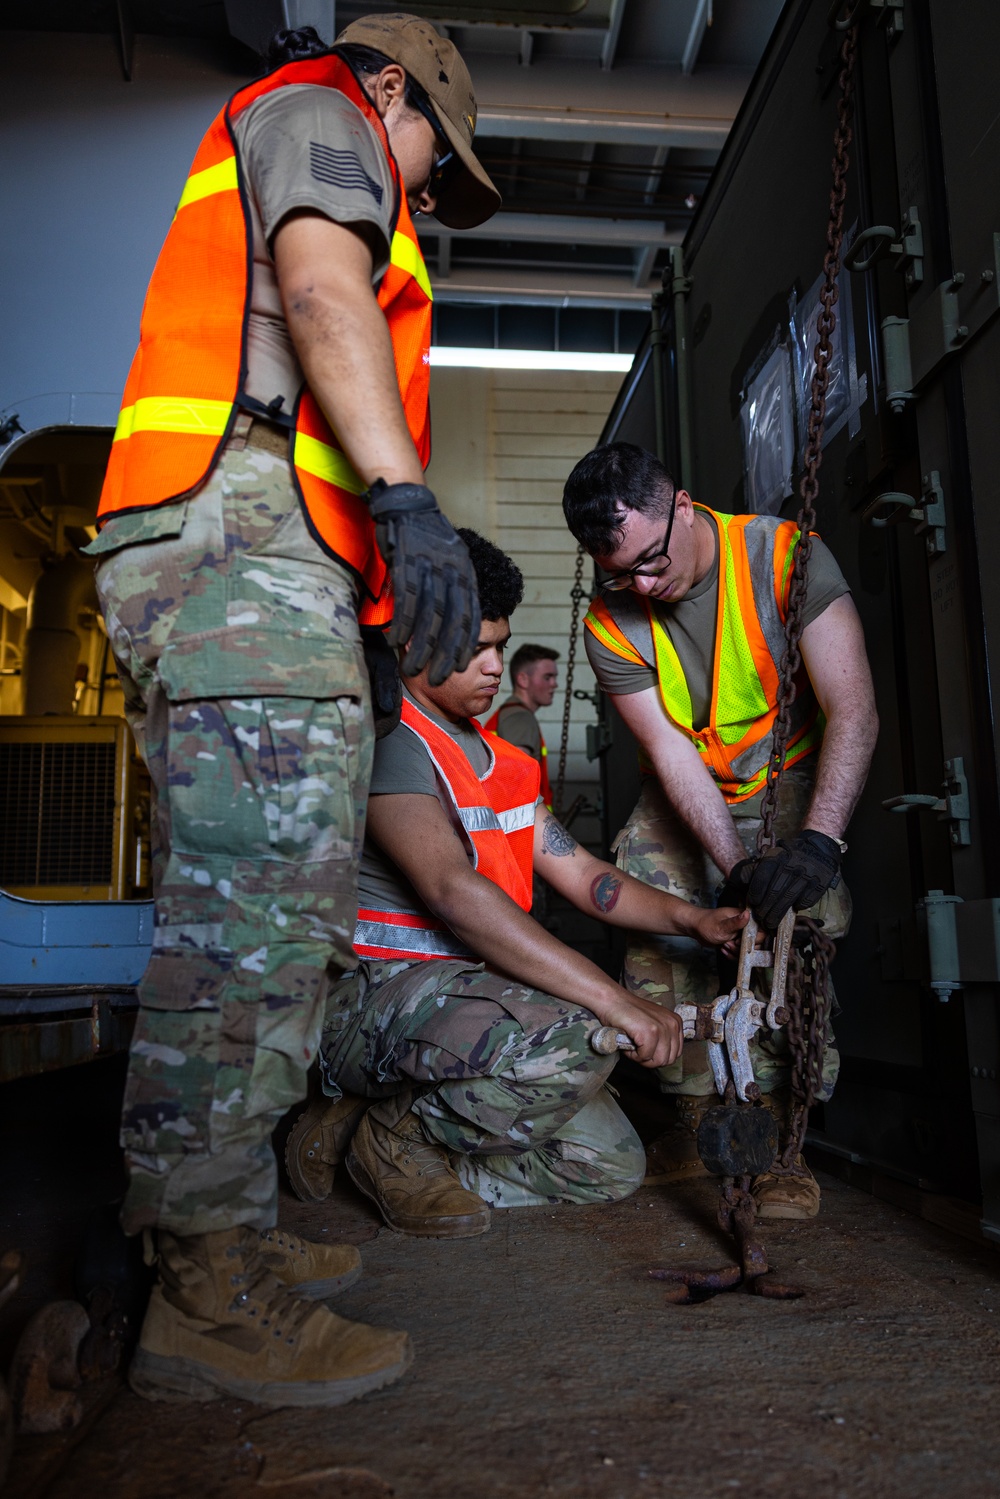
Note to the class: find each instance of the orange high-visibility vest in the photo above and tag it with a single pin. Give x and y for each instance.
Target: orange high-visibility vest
(186, 383)
(755, 563)
(497, 813)
(492, 726)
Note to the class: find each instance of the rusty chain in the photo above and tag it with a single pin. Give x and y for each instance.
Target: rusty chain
(577, 594)
(808, 989)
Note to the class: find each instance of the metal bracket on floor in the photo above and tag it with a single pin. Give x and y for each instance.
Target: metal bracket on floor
(952, 807)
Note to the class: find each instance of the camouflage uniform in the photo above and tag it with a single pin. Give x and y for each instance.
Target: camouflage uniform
(505, 1078)
(238, 648)
(657, 847)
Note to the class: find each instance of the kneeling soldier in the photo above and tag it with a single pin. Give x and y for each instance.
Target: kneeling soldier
(465, 1027)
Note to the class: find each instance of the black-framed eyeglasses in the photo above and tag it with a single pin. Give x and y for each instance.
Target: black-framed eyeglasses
(653, 567)
(447, 160)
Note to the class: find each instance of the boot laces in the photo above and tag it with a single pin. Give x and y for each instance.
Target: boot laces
(265, 1300)
(425, 1157)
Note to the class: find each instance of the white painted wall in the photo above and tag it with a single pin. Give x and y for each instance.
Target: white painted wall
(504, 442)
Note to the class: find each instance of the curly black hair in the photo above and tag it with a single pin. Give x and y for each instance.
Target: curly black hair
(501, 586)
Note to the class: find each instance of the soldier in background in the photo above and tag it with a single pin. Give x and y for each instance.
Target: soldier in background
(534, 677)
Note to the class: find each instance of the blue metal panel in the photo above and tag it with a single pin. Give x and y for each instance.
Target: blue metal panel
(97, 942)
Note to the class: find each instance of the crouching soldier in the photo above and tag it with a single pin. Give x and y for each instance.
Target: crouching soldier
(458, 1051)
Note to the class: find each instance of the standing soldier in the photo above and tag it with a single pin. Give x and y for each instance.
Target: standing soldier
(687, 637)
(534, 677)
(265, 486)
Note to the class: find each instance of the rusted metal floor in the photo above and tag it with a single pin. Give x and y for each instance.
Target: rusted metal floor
(549, 1363)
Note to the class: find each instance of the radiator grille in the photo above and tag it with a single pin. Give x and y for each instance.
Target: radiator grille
(57, 804)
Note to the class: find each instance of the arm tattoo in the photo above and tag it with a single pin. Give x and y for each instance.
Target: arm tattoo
(556, 840)
(605, 890)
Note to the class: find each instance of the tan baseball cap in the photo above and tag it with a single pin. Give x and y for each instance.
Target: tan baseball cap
(470, 197)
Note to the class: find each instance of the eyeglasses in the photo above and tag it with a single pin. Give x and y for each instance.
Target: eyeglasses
(654, 567)
(447, 160)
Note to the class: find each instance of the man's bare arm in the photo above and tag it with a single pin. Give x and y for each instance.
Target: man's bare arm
(833, 649)
(599, 889)
(689, 788)
(417, 836)
(342, 339)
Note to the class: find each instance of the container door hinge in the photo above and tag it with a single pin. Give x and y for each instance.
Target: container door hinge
(952, 807)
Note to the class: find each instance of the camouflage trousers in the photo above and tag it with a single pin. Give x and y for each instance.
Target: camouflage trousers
(504, 1077)
(656, 847)
(238, 649)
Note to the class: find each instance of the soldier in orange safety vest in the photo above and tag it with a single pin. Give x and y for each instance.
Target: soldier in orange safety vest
(458, 1052)
(265, 497)
(686, 636)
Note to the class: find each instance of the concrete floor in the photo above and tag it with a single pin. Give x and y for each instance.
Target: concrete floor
(549, 1363)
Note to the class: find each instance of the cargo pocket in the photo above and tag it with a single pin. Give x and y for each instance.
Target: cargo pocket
(269, 745)
(159, 524)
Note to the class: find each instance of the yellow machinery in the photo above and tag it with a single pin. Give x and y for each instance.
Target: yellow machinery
(73, 809)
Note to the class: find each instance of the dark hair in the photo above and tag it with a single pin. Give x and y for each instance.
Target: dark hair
(304, 42)
(605, 484)
(501, 586)
(295, 44)
(527, 655)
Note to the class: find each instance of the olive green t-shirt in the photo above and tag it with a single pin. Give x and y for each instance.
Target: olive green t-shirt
(304, 146)
(403, 767)
(690, 623)
(518, 725)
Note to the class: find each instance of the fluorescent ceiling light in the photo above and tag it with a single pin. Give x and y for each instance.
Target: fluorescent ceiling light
(527, 359)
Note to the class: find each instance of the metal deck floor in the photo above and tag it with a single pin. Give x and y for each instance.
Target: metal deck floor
(548, 1363)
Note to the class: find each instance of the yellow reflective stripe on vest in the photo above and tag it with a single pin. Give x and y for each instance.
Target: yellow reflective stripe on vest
(323, 462)
(741, 697)
(596, 626)
(405, 256)
(173, 414)
(222, 178)
(673, 682)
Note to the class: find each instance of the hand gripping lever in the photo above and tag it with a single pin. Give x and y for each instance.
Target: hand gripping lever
(730, 1023)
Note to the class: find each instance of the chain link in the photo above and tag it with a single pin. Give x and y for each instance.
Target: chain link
(577, 594)
(809, 487)
(808, 991)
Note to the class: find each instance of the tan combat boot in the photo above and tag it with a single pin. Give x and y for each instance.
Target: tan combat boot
(673, 1156)
(318, 1141)
(796, 1196)
(219, 1323)
(314, 1271)
(411, 1180)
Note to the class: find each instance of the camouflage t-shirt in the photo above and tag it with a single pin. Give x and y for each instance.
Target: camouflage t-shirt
(304, 146)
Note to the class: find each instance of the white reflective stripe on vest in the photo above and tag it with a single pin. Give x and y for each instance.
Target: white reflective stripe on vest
(479, 820)
(516, 818)
(485, 820)
(410, 939)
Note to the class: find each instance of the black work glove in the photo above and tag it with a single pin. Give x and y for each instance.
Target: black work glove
(383, 677)
(436, 612)
(793, 873)
(733, 891)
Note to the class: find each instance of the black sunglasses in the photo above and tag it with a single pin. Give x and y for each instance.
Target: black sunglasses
(447, 163)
